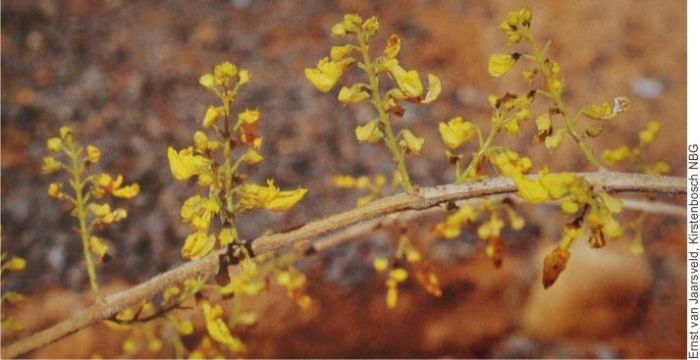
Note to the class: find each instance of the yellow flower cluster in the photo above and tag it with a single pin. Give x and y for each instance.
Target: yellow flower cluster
(396, 272)
(373, 187)
(408, 86)
(217, 168)
(217, 329)
(7, 263)
(633, 155)
(517, 28)
(295, 281)
(68, 155)
(490, 229)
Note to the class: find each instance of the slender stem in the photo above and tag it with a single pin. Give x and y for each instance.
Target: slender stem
(483, 146)
(81, 207)
(556, 95)
(389, 137)
(228, 168)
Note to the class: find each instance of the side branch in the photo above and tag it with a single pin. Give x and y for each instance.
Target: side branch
(425, 198)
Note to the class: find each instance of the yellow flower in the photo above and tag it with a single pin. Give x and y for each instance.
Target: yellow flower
(244, 77)
(350, 24)
(544, 125)
(97, 246)
(55, 190)
(207, 80)
(269, 197)
(127, 192)
(212, 115)
(93, 154)
(344, 181)
(553, 141)
(249, 116)
(434, 89)
(252, 157)
(398, 274)
(452, 226)
(50, 165)
(371, 26)
(530, 190)
(408, 81)
(368, 132)
(183, 327)
(352, 95)
(224, 72)
(227, 236)
(190, 208)
(380, 264)
(327, 72)
(410, 142)
(605, 111)
(392, 294)
(393, 45)
(614, 156)
(217, 329)
(456, 132)
(512, 23)
(202, 143)
(647, 135)
(569, 207)
(15, 264)
(66, 133)
(500, 64)
(54, 144)
(184, 165)
(197, 245)
(490, 228)
(341, 52)
(558, 184)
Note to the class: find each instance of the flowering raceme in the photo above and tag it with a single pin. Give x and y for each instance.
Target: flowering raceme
(217, 166)
(408, 87)
(91, 215)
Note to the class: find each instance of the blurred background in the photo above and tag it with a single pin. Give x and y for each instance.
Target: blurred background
(124, 75)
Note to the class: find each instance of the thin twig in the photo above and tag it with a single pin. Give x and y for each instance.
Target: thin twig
(425, 198)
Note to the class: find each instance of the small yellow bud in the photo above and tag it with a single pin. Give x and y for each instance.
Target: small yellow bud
(127, 192)
(410, 142)
(398, 274)
(50, 165)
(252, 157)
(54, 144)
(211, 116)
(352, 95)
(55, 190)
(371, 26)
(66, 133)
(380, 264)
(249, 116)
(93, 154)
(341, 52)
(553, 141)
(393, 45)
(244, 77)
(207, 80)
(16, 264)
